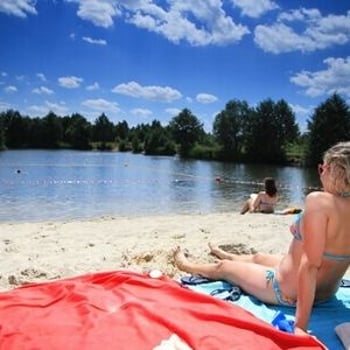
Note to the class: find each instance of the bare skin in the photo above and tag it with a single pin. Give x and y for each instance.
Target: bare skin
(318, 255)
(268, 260)
(249, 276)
(260, 202)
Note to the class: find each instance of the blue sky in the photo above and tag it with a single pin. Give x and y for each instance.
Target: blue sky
(140, 60)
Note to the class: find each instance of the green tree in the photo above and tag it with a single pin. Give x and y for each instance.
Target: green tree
(229, 127)
(2, 132)
(269, 130)
(122, 130)
(78, 132)
(186, 130)
(329, 124)
(16, 129)
(158, 141)
(103, 130)
(52, 131)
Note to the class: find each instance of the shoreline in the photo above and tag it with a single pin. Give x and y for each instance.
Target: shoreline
(42, 251)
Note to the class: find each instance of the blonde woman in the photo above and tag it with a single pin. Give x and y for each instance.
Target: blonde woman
(318, 255)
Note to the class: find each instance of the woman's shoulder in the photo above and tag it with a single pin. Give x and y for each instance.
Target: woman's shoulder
(320, 200)
(319, 195)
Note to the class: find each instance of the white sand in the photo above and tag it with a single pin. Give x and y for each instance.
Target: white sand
(32, 252)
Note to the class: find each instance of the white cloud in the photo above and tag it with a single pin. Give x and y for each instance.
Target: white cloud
(4, 106)
(315, 32)
(72, 36)
(99, 12)
(42, 90)
(41, 76)
(197, 22)
(141, 113)
(206, 98)
(153, 93)
(335, 78)
(101, 105)
(10, 89)
(255, 8)
(71, 82)
(173, 111)
(94, 41)
(298, 109)
(4, 74)
(18, 8)
(58, 108)
(93, 87)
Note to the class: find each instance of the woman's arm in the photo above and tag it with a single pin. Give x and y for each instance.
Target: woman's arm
(314, 229)
(256, 202)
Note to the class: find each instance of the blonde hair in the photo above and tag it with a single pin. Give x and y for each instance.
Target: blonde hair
(338, 158)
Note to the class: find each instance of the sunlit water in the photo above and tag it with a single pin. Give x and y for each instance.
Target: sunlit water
(55, 185)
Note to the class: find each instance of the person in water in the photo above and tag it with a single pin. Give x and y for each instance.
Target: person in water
(318, 256)
(264, 201)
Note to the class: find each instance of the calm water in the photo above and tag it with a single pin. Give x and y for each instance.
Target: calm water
(72, 184)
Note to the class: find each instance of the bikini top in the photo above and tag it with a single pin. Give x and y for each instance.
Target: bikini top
(297, 234)
(266, 203)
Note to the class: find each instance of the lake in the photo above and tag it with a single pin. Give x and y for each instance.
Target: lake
(40, 185)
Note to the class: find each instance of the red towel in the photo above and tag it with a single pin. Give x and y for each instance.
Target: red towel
(124, 310)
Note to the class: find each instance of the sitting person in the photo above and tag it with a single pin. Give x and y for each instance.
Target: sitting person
(264, 201)
(318, 255)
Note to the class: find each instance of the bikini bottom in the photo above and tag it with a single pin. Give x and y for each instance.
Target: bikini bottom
(280, 297)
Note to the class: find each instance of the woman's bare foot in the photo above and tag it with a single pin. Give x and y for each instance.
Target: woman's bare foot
(219, 253)
(181, 262)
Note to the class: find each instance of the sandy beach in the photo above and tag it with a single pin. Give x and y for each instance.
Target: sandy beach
(33, 252)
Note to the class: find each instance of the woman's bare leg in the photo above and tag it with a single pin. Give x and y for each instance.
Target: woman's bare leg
(250, 277)
(245, 207)
(269, 260)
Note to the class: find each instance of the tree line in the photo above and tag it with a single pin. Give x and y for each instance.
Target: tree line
(267, 133)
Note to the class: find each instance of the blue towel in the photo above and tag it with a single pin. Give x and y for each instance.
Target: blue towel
(324, 318)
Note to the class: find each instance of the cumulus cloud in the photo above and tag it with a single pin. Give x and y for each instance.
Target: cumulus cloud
(101, 105)
(94, 41)
(57, 108)
(42, 90)
(141, 113)
(41, 76)
(10, 89)
(4, 106)
(335, 78)
(173, 111)
(314, 32)
(71, 82)
(206, 98)
(99, 12)
(301, 110)
(20, 8)
(93, 87)
(153, 93)
(197, 22)
(255, 8)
